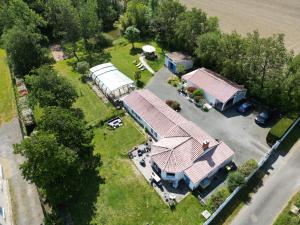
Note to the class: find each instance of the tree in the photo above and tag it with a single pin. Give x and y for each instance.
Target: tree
(89, 21)
(132, 34)
(24, 49)
(164, 21)
(235, 179)
(189, 25)
(137, 75)
(69, 128)
(108, 11)
(48, 89)
(266, 61)
(18, 13)
(64, 19)
(83, 67)
(208, 50)
(51, 166)
(137, 15)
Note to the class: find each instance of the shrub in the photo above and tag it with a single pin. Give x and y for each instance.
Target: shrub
(191, 89)
(197, 98)
(82, 67)
(218, 198)
(248, 167)
(278, 130)
(173, 104)
(104, 40)
(235, 179)
(198, 92)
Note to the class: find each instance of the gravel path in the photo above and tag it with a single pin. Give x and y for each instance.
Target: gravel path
(26, 206)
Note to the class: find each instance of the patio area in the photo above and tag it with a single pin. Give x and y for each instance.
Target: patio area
(165, 191)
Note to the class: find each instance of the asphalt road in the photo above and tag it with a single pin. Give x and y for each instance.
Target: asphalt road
(26, 206)
(241, 133)
(282, 182)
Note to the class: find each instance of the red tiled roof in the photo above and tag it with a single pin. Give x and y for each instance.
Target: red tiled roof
(208, 162)
(181, 145)
(213, 84)
(153, 110)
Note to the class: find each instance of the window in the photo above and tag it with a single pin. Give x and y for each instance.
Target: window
(171, 174)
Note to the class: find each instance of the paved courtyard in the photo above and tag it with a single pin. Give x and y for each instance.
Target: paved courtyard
(164, 191)
(241, 133)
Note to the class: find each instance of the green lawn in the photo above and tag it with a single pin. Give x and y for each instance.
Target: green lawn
(7, 99)
(286, 217)
(122, 196)
(88, 101)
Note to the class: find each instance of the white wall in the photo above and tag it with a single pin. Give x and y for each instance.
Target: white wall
(188, 64)
(207, 96)
(239, 96)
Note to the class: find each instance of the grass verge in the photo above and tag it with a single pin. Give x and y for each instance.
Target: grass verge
(7, 98)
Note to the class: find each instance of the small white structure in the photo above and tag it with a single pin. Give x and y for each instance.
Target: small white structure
(174, 60)
(149, 51)
(110, 80)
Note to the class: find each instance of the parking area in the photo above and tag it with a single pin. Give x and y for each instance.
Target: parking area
(241, 133)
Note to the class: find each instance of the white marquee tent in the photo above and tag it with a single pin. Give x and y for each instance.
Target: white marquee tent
(110, 80)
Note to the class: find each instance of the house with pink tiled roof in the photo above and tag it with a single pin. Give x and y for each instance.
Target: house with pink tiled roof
(218, 91)
(183, 151)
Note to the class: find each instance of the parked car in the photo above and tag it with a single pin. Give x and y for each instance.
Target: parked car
(143, 163)
(245, 107)
(263, 118)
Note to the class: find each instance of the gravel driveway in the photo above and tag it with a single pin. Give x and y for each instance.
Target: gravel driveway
(26, 206)
(247, 139)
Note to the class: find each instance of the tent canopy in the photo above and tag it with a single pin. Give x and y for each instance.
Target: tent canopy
(148, 49)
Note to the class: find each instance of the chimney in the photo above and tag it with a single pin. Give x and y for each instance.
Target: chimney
(205, 144)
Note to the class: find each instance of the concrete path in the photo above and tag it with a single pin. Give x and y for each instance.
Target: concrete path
(26, 205)
(145, 64)
(279, 186)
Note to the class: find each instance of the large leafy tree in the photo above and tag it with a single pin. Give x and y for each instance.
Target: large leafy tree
(51, 166)
(25, 52)
(65, 22)
(164, 21)
(17, 12)
(69, 128)
(132, 34)
(137, 15)
(108, 11)
(48, 89)
(191, 24)
(89, 21)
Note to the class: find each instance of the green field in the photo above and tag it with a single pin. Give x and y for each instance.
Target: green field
(286, 217)
(7, 99)
(122, 196)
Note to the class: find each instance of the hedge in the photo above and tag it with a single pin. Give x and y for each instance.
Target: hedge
(278, 130)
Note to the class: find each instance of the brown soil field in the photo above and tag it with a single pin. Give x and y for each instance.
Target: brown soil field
(266, 16)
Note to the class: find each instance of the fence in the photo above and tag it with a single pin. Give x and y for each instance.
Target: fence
(260, 164)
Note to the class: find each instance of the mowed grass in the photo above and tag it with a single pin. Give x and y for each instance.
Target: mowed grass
(123, 57)
(7, 99)
(123, 196)
(286, 217)
(88, 101)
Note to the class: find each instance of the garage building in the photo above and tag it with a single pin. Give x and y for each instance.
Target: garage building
(111, 81)
(218, 91)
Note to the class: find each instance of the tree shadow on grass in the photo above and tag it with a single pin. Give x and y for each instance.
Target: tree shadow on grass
(135, 51)
(82, 208)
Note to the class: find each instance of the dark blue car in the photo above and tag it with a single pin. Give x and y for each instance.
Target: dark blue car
(245, 107)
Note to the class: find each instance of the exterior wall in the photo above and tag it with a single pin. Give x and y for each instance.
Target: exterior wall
(239, 96)
(188, 64)
(208, 97)
(141, 121)
(177, 177)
